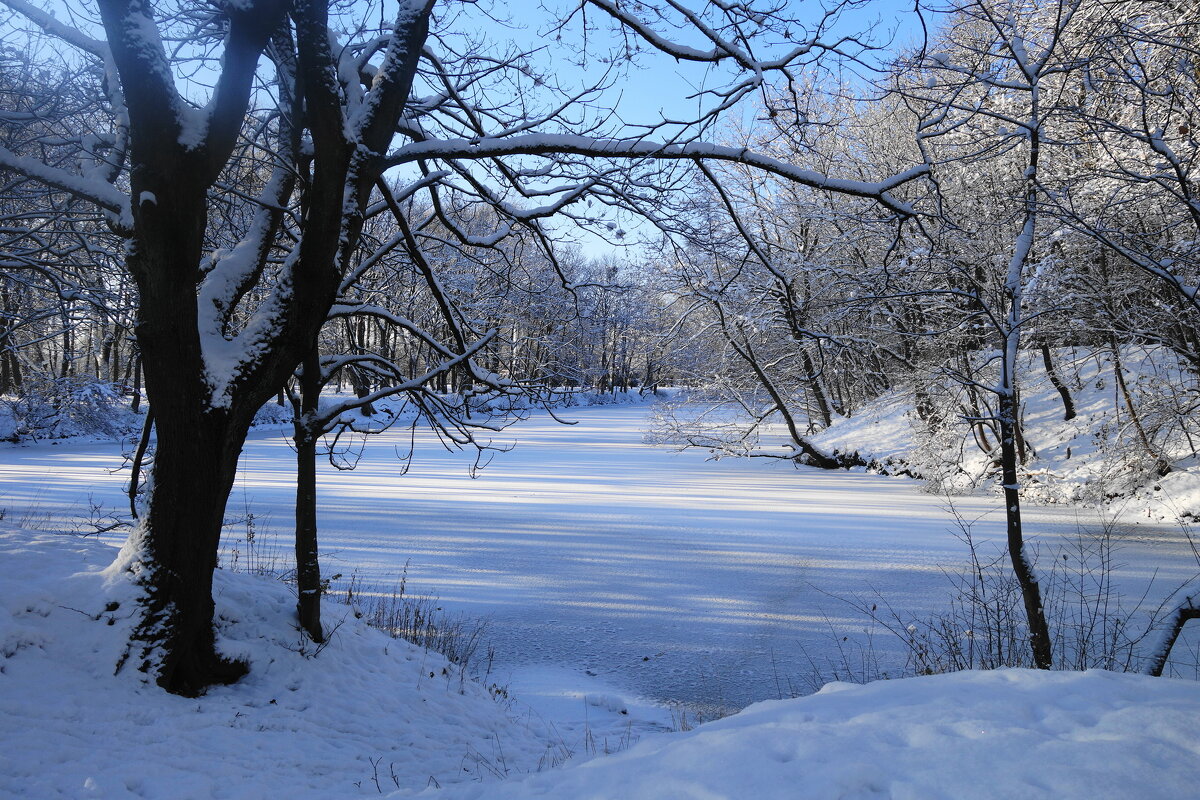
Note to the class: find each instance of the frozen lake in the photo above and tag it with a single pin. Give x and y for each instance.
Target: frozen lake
(708, 583)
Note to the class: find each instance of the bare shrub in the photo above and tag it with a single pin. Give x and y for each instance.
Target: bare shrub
(419, 620)
(254, 550)
(57, 407)
(1092, 624)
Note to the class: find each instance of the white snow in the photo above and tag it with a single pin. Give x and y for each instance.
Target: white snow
(104, 194)
(303, 724)
(694, 582)
(1001, 734)
(1086, 460)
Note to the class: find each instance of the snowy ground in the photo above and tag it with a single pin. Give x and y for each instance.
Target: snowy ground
(664, 576)
(301, 725)
(1003, 734)
(601, 559)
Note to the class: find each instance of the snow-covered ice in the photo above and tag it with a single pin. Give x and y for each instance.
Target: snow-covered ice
(683, 580)
(370, 715)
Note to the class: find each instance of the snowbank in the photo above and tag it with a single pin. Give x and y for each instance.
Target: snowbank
(1098, 456)
(303, 724)
(1003, 734)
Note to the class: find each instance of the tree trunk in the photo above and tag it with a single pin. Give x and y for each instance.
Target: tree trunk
(1179, 616)
(197, 447)
(1160, 463)
(1060, 387)
(813, 381)
(1031, 595)
(194, 468)
(308, 566)
(135, 404)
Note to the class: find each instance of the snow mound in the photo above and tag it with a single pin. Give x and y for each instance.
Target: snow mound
(1003, 734)
(302, 724)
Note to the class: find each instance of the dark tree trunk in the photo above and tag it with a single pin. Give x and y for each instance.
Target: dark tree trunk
(194, 468)
(813, 381)
(308, 566)
(354, 336)
(1059, 386)
(1031, 595)
(1179, 616)
(202, 419)
(135, 404)
(197, 447)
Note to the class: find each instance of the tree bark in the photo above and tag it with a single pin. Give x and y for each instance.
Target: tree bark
(1180, 616)
(1059, 386)
(813, 381)
(308, 566)
(194, 469)
(1031, 595)
(199, 436)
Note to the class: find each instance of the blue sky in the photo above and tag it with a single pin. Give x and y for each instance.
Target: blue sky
(657, 85)
(654, 85)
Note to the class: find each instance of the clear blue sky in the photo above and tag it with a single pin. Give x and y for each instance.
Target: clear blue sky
(658, 85)
(654, 85)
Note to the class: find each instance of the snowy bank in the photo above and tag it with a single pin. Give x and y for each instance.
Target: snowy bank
(1100, 455)
(303, 724)
(1002, 734)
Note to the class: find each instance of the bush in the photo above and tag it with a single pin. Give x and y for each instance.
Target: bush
(57, 408)
(1092, 626)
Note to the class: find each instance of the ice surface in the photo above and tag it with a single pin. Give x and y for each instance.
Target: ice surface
(712, 584)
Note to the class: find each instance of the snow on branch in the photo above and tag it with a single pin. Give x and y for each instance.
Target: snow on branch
(51, 25)
(103, 194)
(350, 309)
(233, 272)
(562, 144)
(228, 358)
(1179, 616)
(330, 414)
(724, 47)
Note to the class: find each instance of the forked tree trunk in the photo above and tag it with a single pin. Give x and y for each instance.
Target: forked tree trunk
(198, 446)
(176, 153)
(196, 455)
